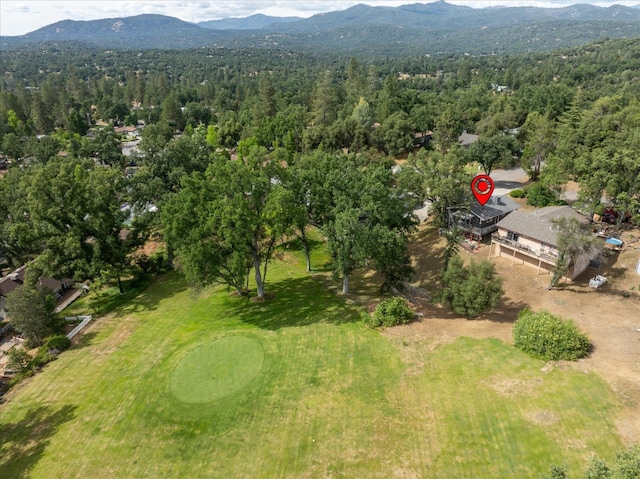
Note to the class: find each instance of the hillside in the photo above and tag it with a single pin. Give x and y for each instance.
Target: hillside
(254, 22)
(141, 31)
(409, 29)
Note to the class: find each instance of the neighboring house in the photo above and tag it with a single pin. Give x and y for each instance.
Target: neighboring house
(531, 238)
(127, 130)
(466, 139)
(480, 221)
(62, 290)
(130, 171)
(499, 88)
(422, 138)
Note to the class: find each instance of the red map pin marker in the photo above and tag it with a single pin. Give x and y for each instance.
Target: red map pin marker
(482, 188)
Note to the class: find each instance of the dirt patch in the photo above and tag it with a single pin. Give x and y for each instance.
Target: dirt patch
(576, 444)
(151, 246)
(512, 387)
(610, 316)
(412, 351)
(124, 327)
(543, 418)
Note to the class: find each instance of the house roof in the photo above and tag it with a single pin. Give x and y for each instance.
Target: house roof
(50, 283)
(7, 285)
(12, 281)
(422, 134)
(16, 278)
(496, 206)
(125, 129)
(537, 225)
(465, 139)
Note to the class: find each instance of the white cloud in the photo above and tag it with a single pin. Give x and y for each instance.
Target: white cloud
(22, 8)
(20, 17)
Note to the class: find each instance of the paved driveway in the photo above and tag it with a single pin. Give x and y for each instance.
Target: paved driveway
(508, 180)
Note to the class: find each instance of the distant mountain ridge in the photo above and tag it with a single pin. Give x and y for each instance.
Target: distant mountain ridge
(142, 31)
(437, 27)
(254, 22)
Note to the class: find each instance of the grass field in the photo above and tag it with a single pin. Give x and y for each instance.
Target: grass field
(174, 384)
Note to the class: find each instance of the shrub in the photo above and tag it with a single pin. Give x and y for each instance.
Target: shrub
(470, 290)
(19, 360)
(517, 194)
(391, 312)
(60, 343)
(556, 472)
(43, 357)
(540, 195)
(626, 466)
(153, 263)
(599, 209)
(549, 337)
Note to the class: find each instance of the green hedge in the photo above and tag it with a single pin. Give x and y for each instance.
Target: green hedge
(60, 342)
(549, 337)
(391, 312)
(540, 195)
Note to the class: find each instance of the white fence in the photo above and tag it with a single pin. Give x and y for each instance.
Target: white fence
(79, 327)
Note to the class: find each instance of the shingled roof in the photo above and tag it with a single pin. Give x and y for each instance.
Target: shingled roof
(496, 206)
(537, 225)
(16, 278)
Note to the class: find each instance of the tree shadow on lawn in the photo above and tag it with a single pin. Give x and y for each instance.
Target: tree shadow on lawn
(506, 311)
(294, 302)
(23, 443)
(83, 340)
(137, 296)
(426, 248)
(296, 246)
(148, 298)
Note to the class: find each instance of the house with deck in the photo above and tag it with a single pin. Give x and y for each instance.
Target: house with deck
(63, 290)
(531, 238)
(478, 222)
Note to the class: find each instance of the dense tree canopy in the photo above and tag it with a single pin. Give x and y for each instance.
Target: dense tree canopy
(226, 221)
(67, 215)
(32, 311)
(332, 127)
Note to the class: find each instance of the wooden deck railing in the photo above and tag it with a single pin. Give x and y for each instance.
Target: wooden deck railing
(548, 258)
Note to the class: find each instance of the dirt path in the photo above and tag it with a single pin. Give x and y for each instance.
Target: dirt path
(610, 316)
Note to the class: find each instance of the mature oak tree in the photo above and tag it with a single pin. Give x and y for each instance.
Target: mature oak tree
(222, 223)
(74, 217)
(31, 309)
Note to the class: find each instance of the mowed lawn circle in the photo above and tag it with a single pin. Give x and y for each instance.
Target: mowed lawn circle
(217, 369)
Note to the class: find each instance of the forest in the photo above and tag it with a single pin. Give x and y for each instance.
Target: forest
(240, 149)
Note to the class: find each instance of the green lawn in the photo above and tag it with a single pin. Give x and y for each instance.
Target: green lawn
(176, 384)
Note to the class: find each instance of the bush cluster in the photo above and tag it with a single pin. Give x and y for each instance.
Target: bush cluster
(540, 195)
(549, 337)
(60, 343)
(25, 365)
(390, 312)
(517, 193)
(625, 466)
(153, 263)
(470, 290)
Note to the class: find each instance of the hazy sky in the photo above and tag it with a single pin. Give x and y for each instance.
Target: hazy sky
(18, 17)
